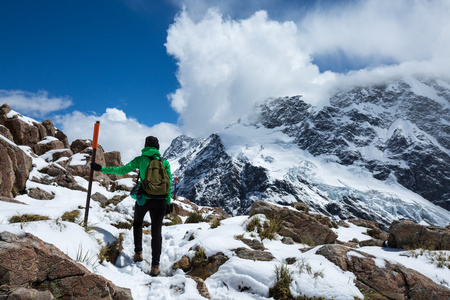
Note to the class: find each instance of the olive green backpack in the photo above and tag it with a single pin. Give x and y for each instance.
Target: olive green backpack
(156, 183)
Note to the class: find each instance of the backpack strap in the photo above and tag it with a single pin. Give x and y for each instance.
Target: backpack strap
(153, 158)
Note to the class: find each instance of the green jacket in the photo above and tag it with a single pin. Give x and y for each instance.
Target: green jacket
(141, 163)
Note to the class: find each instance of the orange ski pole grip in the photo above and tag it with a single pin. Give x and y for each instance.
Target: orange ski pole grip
(95, 139)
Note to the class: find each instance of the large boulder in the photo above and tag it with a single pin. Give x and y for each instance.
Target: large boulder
(300, 226)
(79, 145)
(391, 281)
(15, 166)
(49, 127)
(29, 266)
(113, 159)
(80, 163)
(62, 137)
(4, 131)
(47, 144)
(23, 133)
(408, 234)
(4, 110)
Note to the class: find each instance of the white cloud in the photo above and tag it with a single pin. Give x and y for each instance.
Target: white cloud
(117, 131)
(34, 104)
(377, 30)
(226, 65)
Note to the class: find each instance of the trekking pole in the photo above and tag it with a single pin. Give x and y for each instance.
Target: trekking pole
(91, 175)
(175, 189)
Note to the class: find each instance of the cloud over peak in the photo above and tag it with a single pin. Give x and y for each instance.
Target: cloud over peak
(225, 65)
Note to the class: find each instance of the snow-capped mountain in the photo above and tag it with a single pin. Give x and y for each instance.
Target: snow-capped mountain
(377, 152)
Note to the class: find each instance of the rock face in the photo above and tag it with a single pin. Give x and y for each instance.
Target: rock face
(388, 282)
(15, 166)
(301, 227)
(30, 266)
(52, 145)
(408, 234)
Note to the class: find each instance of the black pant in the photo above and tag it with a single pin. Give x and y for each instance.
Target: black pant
(157, 209)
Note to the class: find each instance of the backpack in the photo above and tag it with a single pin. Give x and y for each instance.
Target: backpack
(156, 183)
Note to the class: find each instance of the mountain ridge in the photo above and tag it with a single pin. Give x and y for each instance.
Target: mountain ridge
(391, 134)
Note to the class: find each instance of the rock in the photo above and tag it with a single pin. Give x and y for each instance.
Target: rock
(68, 181)
(47, 145)
(40, 268)
(291, 260)
(393, 281)
(183, 264)
(113, 159)
(377, 233)
(4, 131)
(41, 129)
(10, 200)
(208, 267)
(201, 286)
(372, 242)
(254, 244)
(79, 163)
(259, 255)
(22, 132)
(15, 166)
(301, 227)
(100, 198)
(364, 223)
(54, 170)
(4, 110)
(214, 212)
(49, 128)
(79, 145)
(342, 223)
(39, 194)
(62, 137)
(29, 294)
(349, 244)
(287, 240)
(61, 153)
(183, 207)
(301, 207)
(324, 220)
(408, 234)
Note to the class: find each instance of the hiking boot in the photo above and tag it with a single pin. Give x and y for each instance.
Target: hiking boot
(154, 271)
(138, 257)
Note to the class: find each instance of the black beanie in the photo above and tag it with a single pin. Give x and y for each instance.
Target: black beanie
(152, 141)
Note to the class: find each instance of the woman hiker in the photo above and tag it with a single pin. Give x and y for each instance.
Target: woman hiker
(156, 207)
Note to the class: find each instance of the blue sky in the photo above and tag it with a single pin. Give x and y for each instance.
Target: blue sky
(100, 54)
(171, 67)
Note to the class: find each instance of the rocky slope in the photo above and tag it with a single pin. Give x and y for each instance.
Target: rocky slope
(388, 146)
(22, 138)
(325, 258)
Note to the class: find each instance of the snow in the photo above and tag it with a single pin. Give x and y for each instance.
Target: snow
(277, 153)
(27, 120)
(79, 159)
(312, 274)
(48, 139)
(348, 234)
